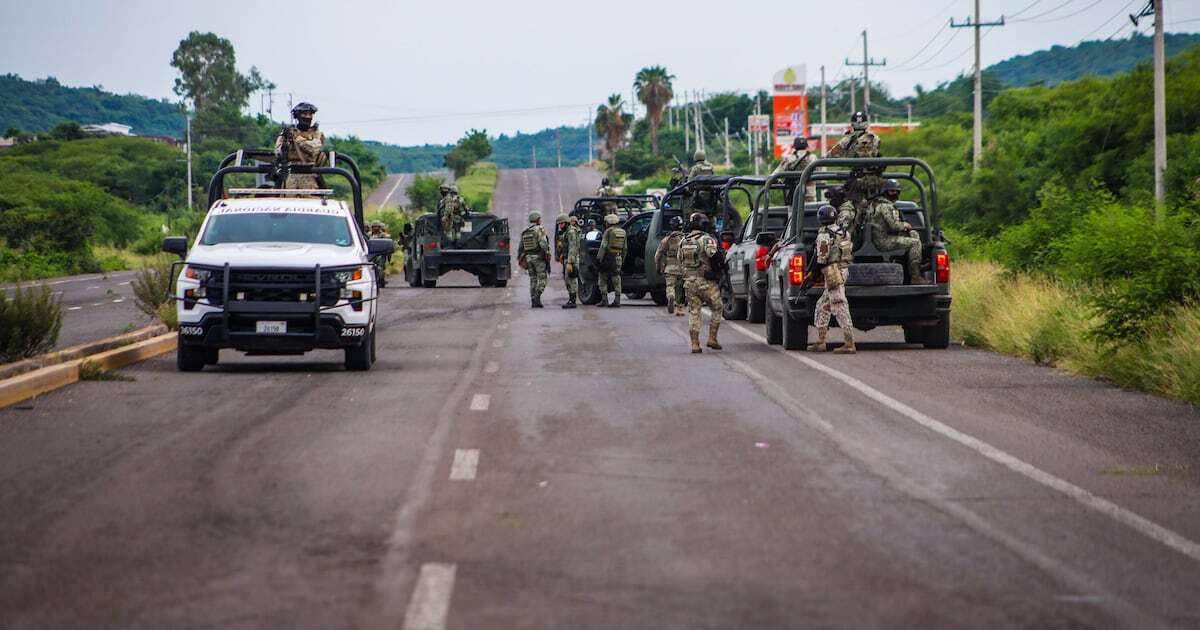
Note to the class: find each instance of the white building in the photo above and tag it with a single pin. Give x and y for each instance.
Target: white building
(108, 129)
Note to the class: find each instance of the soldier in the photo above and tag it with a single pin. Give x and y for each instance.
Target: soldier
(796, 158)
(572, 240)
(452, 208)
(605, 190)
(700, 165)
(834, 255)
(303, 143)
(847, 214)
(533, 255)
(666, 259)
(698, 256)
(889, 230)
(859, 141)
(609, 259)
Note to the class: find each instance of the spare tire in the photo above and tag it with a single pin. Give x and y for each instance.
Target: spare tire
(874, 274)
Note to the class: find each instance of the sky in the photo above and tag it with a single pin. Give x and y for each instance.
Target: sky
(424, 72)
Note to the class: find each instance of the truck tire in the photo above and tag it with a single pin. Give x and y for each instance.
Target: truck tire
(428, 283)
(188, 358)
(636, 295)
(914, 334)
(774, 329)
(795, 333)
(359, 358)
(589, 293)
(731, 308)
(937, 336)
(502, 283)
(487, 279)
(414, 277)
(874, 274)
(212, 356)
(659, 296)
(756, 312)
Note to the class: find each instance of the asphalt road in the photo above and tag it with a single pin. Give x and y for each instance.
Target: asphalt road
(393, 191)
(95, 306)
(503, 467)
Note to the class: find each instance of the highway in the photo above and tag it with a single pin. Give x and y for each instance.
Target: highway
(94, 306)
(504, 467)
(392, 192)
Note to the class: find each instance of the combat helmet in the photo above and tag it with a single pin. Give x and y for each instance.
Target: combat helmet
(700, 156)
(891, 186)
(303, 113)
(698, 221)
(562, 218)
(676, 223)
(800, 142)
(535, 216)
(611, 219)
(826, 214)
(859, 121)
(454, 188)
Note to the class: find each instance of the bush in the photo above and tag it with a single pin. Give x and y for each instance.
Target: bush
(29, 322)
(423, 192)
(151, 292)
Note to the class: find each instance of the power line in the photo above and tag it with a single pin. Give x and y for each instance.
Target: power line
(930, 59)
(1027, 7)
(1064, 17)
(1106, 22)
(1045, 13)
(900, 66)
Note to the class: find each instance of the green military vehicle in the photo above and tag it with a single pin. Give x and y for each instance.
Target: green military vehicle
(645, 224)
(481, 249)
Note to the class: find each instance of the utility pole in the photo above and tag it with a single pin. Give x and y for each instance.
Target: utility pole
(853, 89)
(824, 148)
(1155, 8)
(270, 104)
(909, 106)
(558, 146)
(189, 159)
(727, 161)
(866, 64)
(590, 132)
(687, 132)
(534, 156)
(977, 24)
(757, 142)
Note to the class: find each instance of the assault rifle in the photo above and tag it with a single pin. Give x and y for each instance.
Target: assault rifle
(281, 158)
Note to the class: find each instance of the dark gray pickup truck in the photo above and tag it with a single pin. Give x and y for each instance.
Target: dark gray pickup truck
(876, 298)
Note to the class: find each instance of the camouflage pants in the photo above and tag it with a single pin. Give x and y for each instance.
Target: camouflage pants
(910, 244)
(833, 302)
(301, 182)
(675, 289)
(698, 291)
(572, 284)
(538, 274)
(609, 281)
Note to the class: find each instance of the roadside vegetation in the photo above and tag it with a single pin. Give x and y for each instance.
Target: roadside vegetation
(30, 321)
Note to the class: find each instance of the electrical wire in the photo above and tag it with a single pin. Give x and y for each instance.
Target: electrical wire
(955, 59)
(1027, 7)
(1106, 22)
(1044, 13)
(1063, 17)
(900, 66)
(922, 64)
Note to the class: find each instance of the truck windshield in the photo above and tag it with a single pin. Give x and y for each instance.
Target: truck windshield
(277, 227)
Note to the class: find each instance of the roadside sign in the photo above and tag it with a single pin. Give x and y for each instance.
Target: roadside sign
(759, 123)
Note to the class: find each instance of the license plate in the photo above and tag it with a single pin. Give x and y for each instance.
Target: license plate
(271, 328)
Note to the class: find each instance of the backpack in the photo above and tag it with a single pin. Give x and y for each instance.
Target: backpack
(689, 252)
(616, 240)
(530, 243)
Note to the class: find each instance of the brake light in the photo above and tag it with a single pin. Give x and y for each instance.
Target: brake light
(760, 258)
(356, 300)
(796, 269)
(942, 264)
(726, 244)
(503, 243)
(431, 245)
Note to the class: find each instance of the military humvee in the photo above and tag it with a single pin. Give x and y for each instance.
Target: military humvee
(481, 249)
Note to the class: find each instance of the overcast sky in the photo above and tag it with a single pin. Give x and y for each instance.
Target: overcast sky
(414, 72)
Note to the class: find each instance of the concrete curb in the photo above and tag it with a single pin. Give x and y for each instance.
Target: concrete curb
(80, 351)
(47, 379)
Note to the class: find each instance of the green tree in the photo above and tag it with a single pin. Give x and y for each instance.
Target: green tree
(67, 130)
(612, 123)
(423, 192)
(208, 75)
(474, 146)
(654, 90)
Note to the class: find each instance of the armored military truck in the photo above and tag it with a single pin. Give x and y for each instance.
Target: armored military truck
(645, 224)
(481, 249)
(876, 287)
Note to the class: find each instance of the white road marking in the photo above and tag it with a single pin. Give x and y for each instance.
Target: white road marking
(124, 283)
(497, 343)
(492, 367)
(466, 460)
(480, 402)
(118, 301)
(399, 180)
(502, 326)
(74, 308)
(95, 287)
(1143, 525)
(98, 304)
(430, 600)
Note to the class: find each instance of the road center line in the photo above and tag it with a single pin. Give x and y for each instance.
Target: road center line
(1143, 525)
(466, 460)
(430, 602)
(492, 367)
(497, 343)
(480, 402)
(399, 180)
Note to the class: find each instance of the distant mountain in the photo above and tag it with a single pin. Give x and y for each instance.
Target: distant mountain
(36, 106)
(1103, 58)
(507, 151)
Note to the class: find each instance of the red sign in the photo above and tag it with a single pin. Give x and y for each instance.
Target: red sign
(791, 119)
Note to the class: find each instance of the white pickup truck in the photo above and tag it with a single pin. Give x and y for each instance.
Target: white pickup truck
(277, 272)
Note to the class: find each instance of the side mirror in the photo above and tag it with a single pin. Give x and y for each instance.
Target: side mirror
(177, 245)
(380, 247)
(766, 239)
(408, 229)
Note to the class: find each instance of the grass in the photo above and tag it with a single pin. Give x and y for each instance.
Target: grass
(478, 185)
(1047, 322)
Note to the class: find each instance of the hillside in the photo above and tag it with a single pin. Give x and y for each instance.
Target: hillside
(36, 106)
(507, 151)
(1101, 58)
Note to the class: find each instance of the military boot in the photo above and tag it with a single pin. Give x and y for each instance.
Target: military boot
(616, 303)
(848, 347)
(819, 346)
(696, 342)
(712, 338)
(670, 305)
(603, 300)
(570, 302)
(537, 302)
(916, 277)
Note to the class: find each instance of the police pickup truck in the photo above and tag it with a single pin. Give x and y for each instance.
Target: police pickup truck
(876, 289)
(276, 271)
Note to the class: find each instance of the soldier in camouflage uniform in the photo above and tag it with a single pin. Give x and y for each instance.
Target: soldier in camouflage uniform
(847, 214)
(605, 190)
(533, 255)
(452, 209)
(609, 259)
(700, 165)
(889, 230)
(303, 143)
(834, 255)
(666, 259)
(860, 142)
(696, 253)
(796, 159)
(570, 241)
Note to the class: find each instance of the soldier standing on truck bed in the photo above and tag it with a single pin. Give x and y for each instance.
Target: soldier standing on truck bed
(699, 256)
(609, 259)
(533, 255)
(303, 143)
(834, 255)
(567, 249)
(700, 165)
(796, 158)
(860, 142)
(666, 259)
(452, 209)
(605, 190)
(889, 230)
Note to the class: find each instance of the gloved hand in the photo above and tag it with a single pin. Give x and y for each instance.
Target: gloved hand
(571, 269)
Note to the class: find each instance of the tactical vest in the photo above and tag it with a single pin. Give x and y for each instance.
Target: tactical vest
(691, 254)
(616, 240)
(530, 243)
(673, 242)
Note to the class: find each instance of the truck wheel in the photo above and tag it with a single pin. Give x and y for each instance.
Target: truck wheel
(212, 356)
(756, 312)
(636, 295)
(914, 334)
(502, 283)
(415, 279)
(428, 283)
(774, 329)
(589, 293)
(795, 333)
(487, 279)
(358, 358)
(731, 307)
(659, 296)
(188, 358)
(937, 336)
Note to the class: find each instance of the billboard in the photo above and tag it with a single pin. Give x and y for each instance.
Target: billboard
(759, 123)
(790, 106)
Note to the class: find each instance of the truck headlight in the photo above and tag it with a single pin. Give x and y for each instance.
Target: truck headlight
(346, 277)
(199, 275)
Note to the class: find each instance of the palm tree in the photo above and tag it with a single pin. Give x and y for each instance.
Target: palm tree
(653, 87)
(611, 124)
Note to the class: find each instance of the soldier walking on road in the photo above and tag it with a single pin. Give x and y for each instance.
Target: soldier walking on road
(700, 165)
(666, 259)
(609, 259)
(570, 241)
(889, 230)
(834, 255)
(534, 256)
(303, 143)
(699, 256)
(795, 159)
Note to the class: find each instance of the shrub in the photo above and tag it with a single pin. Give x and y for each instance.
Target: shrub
(423, 192)
(151, 292)
(29, 322)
